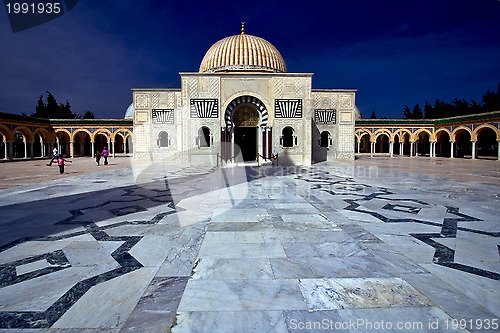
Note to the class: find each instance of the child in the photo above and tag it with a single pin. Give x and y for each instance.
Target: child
(105, 153)
(97, 158)
(60, 162)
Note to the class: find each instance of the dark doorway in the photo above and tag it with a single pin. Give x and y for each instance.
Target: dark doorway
(245, 140)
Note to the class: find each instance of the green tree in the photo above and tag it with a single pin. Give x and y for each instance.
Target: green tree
(407, 113)
(88, 115)
(40, 109)
(429, 111)
(52, 110)
(417, 112)
(491, 100)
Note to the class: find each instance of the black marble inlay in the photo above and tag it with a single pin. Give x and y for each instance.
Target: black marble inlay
(56, 259)
(402, 208)
(127, 210)
(45, 319)
(443, 255)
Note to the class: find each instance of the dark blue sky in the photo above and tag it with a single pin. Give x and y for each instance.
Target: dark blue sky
(393, 52)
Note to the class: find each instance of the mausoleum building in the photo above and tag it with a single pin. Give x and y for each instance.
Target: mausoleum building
(244, 104)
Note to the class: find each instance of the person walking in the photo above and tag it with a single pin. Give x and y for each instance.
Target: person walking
(97, 158)
(105, 154)
(54, 156)
(60, 162)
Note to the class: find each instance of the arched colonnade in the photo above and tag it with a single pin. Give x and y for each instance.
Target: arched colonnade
(24, 137)
(473, 139)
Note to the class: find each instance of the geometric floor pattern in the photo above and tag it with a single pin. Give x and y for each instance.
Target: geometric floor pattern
(328, 248)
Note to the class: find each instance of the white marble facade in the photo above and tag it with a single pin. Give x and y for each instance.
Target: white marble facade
(283, 115)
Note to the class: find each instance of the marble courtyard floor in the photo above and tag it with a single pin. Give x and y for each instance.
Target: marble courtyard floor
(375, 245)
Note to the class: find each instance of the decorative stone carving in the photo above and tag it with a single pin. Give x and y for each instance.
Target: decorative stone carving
(346, 102)
(193, 87)
(154, 101)
(278, 87)
(141, 101)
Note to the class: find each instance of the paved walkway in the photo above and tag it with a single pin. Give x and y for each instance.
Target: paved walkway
(340, 247)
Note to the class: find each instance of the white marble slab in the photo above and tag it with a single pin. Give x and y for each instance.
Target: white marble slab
(232, 269)
(242, 295)
(241, 250)
(230, 321)
(107, 305)
(325, 294)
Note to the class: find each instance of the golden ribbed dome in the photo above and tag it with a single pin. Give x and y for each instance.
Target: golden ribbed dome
(242, 53)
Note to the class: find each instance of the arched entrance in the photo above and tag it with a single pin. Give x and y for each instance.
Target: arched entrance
(245, 120)
(246, 133)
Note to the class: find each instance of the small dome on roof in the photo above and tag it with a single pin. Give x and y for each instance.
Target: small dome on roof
(357, 113)
(129, 114)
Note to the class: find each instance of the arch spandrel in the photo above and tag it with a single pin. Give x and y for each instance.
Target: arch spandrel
(120, 133)
(360, 132)
(478, 129)
(80, 130)
(383, 131)
(25, 131)
(401, 132)
(6, 132)
(459, 129)
(417, 133)
(63, 130)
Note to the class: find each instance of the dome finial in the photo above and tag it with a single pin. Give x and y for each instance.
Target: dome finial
(242, 28)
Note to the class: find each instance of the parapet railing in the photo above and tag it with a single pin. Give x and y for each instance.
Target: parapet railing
(271, 158)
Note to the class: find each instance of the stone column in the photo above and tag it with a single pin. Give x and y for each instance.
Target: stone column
(25, 149)
(452, 148)
(474, 149)
(391, 148)
(416, 147)
(11, 150)
(31, 150)
(498, 150)
(411, 148)
(72, 149)
(113, 145)
(124, 146)
(372, 148)
(92, 149)
(401, 146)
(359, 146)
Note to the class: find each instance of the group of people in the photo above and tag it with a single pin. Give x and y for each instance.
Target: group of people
(61, 161)
(105, 154)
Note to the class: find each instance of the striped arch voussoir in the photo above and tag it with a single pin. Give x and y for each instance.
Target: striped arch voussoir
(261, 108)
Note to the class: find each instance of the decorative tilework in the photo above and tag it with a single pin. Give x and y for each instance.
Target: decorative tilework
(288, 108)
(154, 101)
(325, 116)
(141, 101)
(163, 116)
(204, 108)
